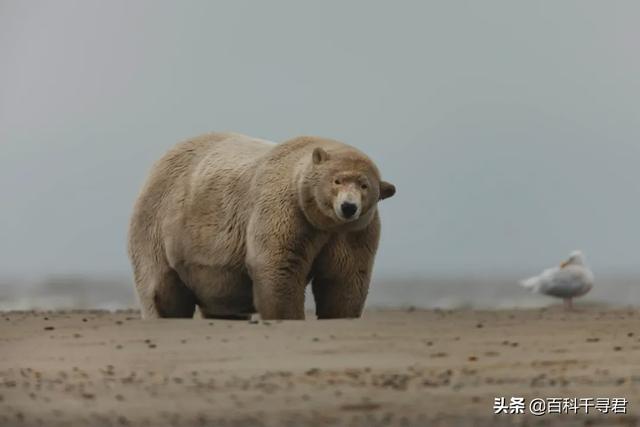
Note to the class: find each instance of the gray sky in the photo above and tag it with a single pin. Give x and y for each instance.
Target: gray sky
(511, 129)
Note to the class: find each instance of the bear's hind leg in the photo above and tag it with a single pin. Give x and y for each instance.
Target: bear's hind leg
(170, 298)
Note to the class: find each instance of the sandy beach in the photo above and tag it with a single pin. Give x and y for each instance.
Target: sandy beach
(406, 368)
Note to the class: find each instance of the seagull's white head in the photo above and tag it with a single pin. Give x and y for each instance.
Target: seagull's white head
(575, 258)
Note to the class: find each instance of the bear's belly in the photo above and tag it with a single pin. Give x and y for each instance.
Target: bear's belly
(220, 291)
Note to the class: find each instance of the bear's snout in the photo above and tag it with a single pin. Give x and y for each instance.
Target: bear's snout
(348, 209)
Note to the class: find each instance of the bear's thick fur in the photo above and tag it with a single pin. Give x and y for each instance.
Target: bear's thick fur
(236, 224)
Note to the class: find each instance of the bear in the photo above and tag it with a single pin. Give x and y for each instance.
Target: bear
(237, 225)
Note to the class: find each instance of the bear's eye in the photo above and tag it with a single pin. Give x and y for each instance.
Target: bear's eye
(336, 182)
(364, 186)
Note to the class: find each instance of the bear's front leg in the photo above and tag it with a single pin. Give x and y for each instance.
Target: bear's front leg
(342, 272)
(278, 293)
(279, 257)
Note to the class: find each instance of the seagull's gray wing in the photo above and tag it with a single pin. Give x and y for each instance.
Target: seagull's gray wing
(567, 282)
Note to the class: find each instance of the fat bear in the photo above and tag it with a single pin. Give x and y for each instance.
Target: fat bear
(235, 225)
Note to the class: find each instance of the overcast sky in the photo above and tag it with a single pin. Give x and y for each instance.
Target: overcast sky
(511, 129)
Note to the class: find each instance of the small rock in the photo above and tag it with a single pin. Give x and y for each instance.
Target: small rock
(440, 354)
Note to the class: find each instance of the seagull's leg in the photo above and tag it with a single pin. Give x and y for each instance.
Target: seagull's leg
(568, 304)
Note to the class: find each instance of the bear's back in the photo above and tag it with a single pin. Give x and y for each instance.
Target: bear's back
(193, 178)
(226, 155)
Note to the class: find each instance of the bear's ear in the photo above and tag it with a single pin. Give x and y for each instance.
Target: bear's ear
(319, 155)
(386, 190)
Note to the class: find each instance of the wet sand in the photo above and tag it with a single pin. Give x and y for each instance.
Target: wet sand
(406, 368)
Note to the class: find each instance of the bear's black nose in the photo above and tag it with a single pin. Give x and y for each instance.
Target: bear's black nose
(348, 209)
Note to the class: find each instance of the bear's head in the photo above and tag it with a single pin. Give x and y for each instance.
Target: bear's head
(341, 189)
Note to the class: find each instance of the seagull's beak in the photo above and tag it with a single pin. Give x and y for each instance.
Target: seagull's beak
(565, 263)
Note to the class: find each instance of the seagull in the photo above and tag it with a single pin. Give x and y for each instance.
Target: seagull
(569, 280)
